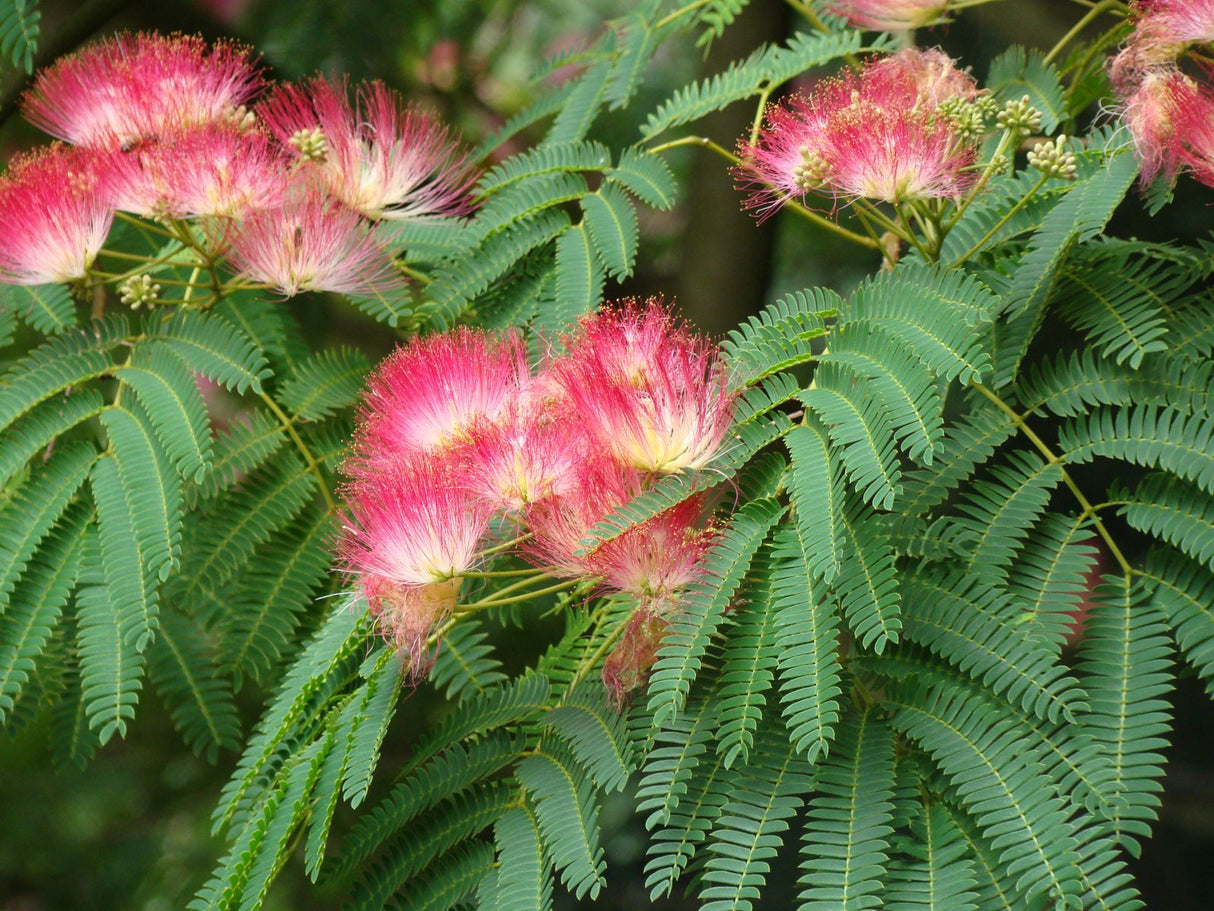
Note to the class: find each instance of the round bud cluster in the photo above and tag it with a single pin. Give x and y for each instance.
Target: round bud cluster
(1052, 160)
(1019, 118)
(139, 291)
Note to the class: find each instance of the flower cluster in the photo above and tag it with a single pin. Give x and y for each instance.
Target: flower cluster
(1170, 113)
(896, 131)
(287, 190)
(463, 451)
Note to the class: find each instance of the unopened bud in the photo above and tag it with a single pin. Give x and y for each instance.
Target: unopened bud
(1019, 117)
(810, 173)
(965, 117)
(310, 144)
(1052, 160)
(139, 290)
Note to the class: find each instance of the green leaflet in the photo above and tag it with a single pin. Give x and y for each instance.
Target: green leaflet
(999, 783)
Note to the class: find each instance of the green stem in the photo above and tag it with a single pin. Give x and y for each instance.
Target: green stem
(503, 573)
(1003, 221)
(1079, 26)
(519, 598)
(609, 640)
(680, 13)
(309, 459)
(819, 220)
(1089, 511)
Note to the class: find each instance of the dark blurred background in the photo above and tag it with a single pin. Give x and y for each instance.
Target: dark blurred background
(132, 830)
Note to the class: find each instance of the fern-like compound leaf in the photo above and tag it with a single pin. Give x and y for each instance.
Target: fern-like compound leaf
(780, 337)
(845, 845)
(1184, 594)
(212, 345)
(808, 638)
(645, 176)
(565, 808)
(596, 734)
(610, 218)
(816, 490)
(111, 668)
(523, 879)
(970, 625)
(1145, 435)
(744, 839)
(1000, 783)
(36, 603)
(1125, 660)
(324, 383)
(173, 403)
(748, 666)
(187, 678)
(867, 584)
(20, 28)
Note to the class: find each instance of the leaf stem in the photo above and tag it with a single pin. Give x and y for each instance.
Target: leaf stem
(1086, 20)
(819, 220)
(309, 459)
(1042, 447)
(1020, 203)
(497, 601)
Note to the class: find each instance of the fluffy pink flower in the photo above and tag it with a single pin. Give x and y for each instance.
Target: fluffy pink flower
(215, 169)
(1194, 123)
(430, 393)
(412, 525)
(310, 243)
(377, 155)
(558, 524)
(531, 452)
(138, 86)
(889, 155)
(1176, 23)
(647, 391)
(1161, 113)
(925, 77)
(657, 560)
(877, 134)
(56, 209)
(889, 15)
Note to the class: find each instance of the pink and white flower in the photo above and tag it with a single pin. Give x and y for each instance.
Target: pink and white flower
(877, 134)
(889, 15)
(215, 169)
(377, 155)
(559, 524)
(658, 559)
(56, 209)
(412, 524)
(1159, 113)
(134, 87)
(533, 451)
(310, 243)
(647, 391)
(428, 395)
